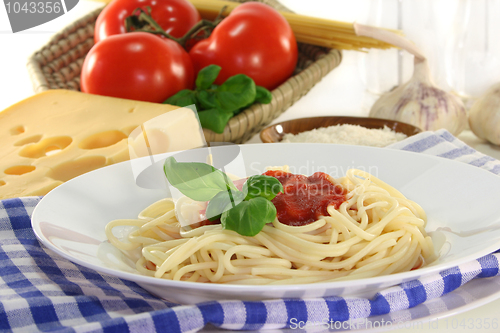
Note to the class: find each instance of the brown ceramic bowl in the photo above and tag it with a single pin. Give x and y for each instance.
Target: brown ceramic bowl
(275, 133)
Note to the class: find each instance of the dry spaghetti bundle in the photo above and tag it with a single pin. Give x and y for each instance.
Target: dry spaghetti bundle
(307, 29)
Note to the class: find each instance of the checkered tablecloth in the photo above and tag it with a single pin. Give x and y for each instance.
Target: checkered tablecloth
(41, 291)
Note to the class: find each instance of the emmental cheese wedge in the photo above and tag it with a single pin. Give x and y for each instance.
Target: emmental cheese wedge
(54, 136)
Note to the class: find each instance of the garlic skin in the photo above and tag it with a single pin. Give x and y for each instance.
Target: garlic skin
(484, 116)
(421, 103)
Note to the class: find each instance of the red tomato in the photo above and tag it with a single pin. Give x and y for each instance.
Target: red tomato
(138, 66)
(255, 40)
(176, 17)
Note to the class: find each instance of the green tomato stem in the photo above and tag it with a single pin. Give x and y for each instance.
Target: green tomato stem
(141, 19)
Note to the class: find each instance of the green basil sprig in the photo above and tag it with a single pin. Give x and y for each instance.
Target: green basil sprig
(221, 202)
(216, 104)
(262, 186)
(245, 212)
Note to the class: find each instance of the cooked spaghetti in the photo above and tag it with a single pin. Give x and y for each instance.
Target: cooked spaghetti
(374, 231)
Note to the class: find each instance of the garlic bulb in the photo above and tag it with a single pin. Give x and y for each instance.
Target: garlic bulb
(484, 116)
(419, 101)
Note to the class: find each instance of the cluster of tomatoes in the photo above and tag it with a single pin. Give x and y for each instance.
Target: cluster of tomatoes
(254, 39)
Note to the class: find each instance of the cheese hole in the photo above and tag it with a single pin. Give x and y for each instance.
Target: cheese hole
(17, 130)
(46, 147)
(31, 139)
(101, 140)
(51, 150)
(19, 170)
(2, 183)
(68, 170)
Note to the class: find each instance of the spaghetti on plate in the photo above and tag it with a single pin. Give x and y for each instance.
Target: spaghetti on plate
(373, 230)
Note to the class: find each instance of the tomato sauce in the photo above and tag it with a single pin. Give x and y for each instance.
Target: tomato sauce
(305, 199)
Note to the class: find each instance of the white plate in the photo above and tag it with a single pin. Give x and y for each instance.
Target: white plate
(461, 202)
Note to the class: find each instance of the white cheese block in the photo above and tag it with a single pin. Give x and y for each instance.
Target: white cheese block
(56, 135)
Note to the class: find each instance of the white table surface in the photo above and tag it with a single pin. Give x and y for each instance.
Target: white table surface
(341, 92)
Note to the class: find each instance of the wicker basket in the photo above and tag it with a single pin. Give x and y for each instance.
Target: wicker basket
(58, 64)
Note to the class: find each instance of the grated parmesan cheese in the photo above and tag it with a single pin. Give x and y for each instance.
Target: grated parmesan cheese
(347, 134)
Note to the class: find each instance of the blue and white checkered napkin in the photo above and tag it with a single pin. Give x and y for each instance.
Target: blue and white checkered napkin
(41, 291)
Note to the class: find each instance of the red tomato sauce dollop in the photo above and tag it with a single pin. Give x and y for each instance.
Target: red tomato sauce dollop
(305, 199)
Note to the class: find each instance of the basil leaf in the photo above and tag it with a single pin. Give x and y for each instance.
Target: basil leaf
(214, 119)
(222, 202)
(235, 92)
(198, 181)
(206, 76)
(262, 95)
(206, 98)
(262, 186)
(182, 98)
(217, 104)
(249, 217)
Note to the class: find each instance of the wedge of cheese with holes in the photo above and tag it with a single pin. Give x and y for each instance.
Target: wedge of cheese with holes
(54, 136)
